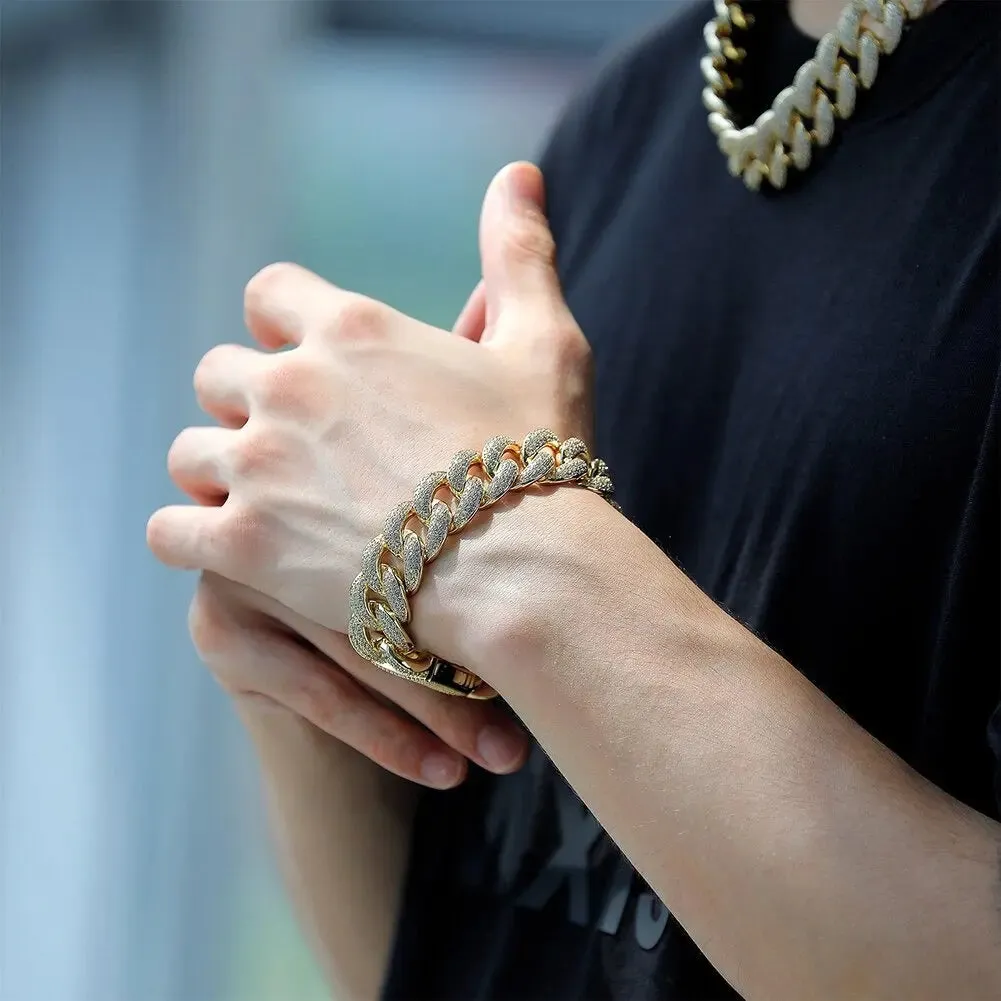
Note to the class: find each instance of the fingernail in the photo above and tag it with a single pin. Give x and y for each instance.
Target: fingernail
(441, 770)
(500, 749)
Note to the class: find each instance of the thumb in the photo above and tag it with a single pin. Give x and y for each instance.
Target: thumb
(518, 256)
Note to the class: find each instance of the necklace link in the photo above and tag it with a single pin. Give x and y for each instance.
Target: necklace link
(825, 87)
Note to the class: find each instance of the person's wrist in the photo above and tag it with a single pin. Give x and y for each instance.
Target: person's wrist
(507, 584)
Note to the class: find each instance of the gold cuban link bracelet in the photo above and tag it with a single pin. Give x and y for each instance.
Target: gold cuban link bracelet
(393, 562)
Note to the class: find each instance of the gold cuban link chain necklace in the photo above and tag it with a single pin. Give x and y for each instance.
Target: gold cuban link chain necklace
(824, 88)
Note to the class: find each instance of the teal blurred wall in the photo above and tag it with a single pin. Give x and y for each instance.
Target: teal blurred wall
(154, 155)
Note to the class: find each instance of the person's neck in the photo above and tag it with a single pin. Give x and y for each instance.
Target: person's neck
(816, 17)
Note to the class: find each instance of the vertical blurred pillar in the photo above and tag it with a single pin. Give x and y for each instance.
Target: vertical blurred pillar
(71, 188)
(214, 153)
(137, 198)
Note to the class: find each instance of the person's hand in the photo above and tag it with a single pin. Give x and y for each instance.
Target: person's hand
(323, 440)
(259, 650)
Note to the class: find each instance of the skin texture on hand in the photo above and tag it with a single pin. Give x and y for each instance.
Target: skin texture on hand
(341, 427)
(315, 444)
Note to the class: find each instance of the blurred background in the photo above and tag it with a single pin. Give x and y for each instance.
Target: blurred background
(154, 156)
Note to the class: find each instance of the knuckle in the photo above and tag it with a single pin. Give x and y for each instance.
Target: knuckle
(176, 451)
(179, 445)
(527, 239)
(202, 374)
(277, 387)
(358, 318)
(457, 726)
(241, 544)
(260, 289)
(292, 386)
(399, 752)
(335, 704)
(212, 361)
(256, 451)
(158, 537)
(393, 755)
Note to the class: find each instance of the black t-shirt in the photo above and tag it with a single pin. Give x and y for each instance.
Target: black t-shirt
(811, 378)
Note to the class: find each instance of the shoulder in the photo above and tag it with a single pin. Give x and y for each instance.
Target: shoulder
(633, 79)
(635, 91)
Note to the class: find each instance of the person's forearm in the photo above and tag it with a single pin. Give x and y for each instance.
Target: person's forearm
(803, 857)
(342, 825)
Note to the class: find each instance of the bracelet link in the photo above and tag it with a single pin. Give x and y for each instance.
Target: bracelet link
(393, 563)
